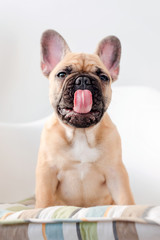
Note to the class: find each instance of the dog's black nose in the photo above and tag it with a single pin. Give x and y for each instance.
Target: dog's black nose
(82, 81)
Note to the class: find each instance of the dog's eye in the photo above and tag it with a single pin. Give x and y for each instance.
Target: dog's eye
(61, 75)
(104, 77)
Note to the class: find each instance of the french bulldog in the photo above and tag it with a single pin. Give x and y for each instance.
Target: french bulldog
(80, 157)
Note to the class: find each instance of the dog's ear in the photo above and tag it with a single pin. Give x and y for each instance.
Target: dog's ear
(53, 49)
(109, 51)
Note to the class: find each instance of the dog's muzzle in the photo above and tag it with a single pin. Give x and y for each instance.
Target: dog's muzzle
(81, 104)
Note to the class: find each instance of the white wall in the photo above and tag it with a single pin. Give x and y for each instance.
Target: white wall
(82, 23)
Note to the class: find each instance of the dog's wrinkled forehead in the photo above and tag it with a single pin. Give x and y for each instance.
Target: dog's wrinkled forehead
(83, 63)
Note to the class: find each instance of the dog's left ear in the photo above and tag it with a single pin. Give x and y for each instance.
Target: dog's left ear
(109, 51)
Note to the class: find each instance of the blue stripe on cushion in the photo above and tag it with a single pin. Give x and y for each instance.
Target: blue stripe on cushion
(96, 211)
(3, 212)
(54, 231)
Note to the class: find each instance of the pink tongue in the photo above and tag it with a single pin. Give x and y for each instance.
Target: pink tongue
(82, 101)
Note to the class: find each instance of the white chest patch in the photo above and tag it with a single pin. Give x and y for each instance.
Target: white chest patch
(81, 151)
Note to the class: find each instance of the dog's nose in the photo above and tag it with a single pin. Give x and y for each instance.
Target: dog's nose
(83, 81)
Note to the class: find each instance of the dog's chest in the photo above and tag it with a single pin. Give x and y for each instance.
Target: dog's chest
(81, 150)
(79, 159)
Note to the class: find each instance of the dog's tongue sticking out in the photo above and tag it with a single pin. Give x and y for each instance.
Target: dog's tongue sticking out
(82, 101)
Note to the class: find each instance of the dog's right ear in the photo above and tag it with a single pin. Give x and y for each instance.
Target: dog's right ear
(109, 51)
(53, 49)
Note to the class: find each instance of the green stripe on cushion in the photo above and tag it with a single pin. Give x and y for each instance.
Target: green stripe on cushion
(64, 212)
(88, 231)
(13, 222)
(18, 208)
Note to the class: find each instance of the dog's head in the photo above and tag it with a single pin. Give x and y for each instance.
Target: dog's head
(80, 84)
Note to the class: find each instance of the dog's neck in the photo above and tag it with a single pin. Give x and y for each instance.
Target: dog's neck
(82, 134)
(87, 134)
(84, 142)
(91, 134)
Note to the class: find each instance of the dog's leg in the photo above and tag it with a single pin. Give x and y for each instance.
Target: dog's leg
(118, 185)
(46, 185)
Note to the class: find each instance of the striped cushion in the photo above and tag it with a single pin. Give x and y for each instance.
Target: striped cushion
(22, 221)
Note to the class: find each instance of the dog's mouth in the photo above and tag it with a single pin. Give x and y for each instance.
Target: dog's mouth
(81, 107)
(79, 120)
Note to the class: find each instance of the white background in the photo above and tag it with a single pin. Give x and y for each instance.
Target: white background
(24, 90)
(83, 24)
